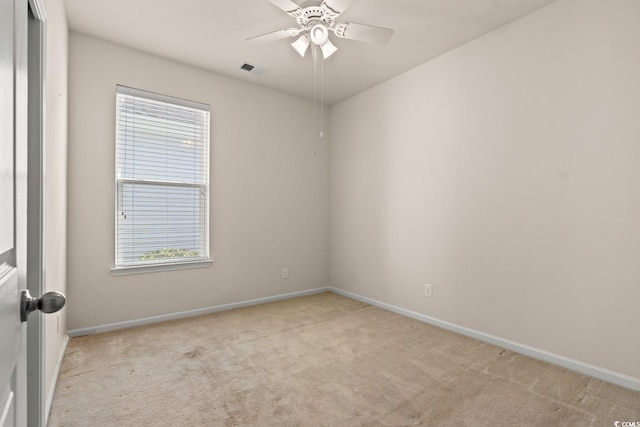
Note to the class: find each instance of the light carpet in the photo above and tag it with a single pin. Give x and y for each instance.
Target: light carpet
(320, 360)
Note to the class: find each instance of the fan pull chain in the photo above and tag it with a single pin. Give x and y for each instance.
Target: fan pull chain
(315, 84)
(318, 87)
(322, 97)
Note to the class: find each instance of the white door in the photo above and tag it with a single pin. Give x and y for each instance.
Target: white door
(15, 301)
(12, 329)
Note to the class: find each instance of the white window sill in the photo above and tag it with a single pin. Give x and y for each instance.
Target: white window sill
(154, 268)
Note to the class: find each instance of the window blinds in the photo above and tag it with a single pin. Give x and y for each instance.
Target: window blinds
(162, 179)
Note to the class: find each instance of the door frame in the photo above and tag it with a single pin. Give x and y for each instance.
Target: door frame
(35, 233)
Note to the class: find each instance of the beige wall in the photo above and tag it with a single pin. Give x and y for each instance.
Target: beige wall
(269, 192)
(55, 178)
(504, 173)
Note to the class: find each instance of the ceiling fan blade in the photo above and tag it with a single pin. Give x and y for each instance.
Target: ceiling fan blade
(287, 5)
(277, 35)
(328, 49)
(363, 33)
(338, 6)
(302, 44)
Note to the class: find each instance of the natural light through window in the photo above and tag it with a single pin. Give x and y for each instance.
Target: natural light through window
(162, 182)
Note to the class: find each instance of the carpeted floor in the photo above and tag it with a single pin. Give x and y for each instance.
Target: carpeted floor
(321, 360)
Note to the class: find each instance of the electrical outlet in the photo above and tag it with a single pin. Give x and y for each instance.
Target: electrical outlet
(428, 291)
(285, 273)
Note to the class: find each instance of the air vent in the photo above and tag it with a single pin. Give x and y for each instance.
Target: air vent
(253, 69)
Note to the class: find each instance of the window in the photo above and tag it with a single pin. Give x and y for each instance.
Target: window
(162, 182)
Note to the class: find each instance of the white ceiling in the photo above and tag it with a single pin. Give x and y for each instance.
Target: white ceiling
(211, 34)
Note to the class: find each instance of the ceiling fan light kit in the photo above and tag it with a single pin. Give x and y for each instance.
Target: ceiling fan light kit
(316, 21)
(328, 49)
(319, 34)
(302, 44)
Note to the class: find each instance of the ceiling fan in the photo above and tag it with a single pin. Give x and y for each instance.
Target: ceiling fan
(317, 20)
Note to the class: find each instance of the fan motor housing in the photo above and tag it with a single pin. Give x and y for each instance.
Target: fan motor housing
(312, 14)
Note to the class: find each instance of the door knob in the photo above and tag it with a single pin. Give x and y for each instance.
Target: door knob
(47, 303)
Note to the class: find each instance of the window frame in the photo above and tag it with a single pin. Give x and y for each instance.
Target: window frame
(204, 189)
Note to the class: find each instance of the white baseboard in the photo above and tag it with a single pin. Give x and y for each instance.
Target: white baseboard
(188, 313)
(536, 353)
(54, 381)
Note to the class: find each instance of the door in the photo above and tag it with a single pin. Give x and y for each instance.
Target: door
(12, 329)
(20, 185)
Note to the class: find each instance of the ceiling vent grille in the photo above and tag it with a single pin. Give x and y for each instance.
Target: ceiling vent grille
(253, 69)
